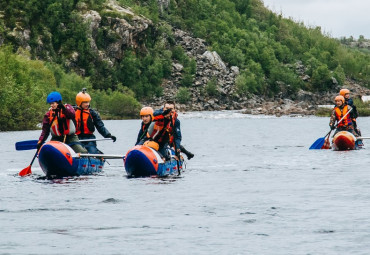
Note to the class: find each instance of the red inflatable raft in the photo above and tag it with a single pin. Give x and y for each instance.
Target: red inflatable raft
(344, 140)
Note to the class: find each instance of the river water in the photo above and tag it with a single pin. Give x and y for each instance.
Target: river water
(252, 188)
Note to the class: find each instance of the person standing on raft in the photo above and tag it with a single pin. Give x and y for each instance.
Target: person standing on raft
(87, 120)
(339, 111)
(59, 121)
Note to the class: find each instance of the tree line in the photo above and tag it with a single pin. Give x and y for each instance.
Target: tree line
(264, 45)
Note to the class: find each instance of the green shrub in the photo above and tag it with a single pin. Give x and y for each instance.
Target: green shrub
(118, 105)
(187, 80)
(70, 84)
(24, 85)
(183, 96)
(362, 112)
(321, 78)
(339, 74)
(192, 66)
(250, 80)
(179, 54)
(362, 108)
(211, 88)
(241, 84)
(323, 112)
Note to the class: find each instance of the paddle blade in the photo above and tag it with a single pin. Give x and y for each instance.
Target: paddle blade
(317, 145)
(26, 145)
(326, 145)
(26, 171)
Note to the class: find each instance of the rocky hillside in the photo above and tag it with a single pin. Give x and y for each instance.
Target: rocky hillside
(245, 57)
(210, 67)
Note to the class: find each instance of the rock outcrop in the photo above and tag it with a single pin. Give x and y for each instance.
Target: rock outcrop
(210, 67)
(115, 24)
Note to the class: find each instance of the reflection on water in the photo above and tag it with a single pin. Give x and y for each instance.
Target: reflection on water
(253, 187)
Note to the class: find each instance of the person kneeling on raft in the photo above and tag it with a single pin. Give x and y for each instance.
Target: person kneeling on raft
(347, 100)
(59, 121)
(339, 111)
(146, 115)
(87, 120)
(170, 106)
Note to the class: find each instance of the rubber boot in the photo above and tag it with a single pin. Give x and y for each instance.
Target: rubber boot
(187, 153)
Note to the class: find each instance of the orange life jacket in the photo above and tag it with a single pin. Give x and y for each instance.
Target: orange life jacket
(59, 124)
(163, 129)
(339, 114)
(84, 122)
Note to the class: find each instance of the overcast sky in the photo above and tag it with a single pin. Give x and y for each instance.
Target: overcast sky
(337, 18)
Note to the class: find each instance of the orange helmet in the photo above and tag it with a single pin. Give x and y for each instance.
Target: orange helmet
(82, 97)
(339, 98)
(147, 111)
(343, 92)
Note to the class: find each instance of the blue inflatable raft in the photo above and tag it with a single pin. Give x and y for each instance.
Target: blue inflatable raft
(143, 161)
(59, 160)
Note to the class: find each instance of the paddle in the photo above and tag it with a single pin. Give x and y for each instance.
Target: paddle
(27, 170)
(100, 156)
(95, 140)
(26, 145)
(32, 144)
(319, 143)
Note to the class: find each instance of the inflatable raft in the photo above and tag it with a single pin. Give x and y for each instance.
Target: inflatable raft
(143, 161)
(59, 160)
(345, 140)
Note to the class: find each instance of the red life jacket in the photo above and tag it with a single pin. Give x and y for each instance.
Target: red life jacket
(84, 122)
(163, 129)
(59, 124)
(340, 113)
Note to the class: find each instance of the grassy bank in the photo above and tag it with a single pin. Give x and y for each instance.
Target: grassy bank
(362, 108)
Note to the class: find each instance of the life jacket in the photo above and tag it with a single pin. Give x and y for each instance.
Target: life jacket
(59, 124)
(84, 122)
(163, 129)
(339, 114)
(145, 129)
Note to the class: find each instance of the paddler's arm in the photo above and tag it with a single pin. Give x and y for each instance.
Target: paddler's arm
(354, 112)
(158, 112)
(69, 111)
(98, 123)
(332, 119)
(45, 128)
(139, 135)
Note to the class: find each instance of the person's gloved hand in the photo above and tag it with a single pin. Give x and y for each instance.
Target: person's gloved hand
(39, 144)
(112, 137)
(332, 127)
(61, 105)
(164, 113)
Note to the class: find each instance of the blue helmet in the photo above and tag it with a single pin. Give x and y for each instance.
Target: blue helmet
(54, 97)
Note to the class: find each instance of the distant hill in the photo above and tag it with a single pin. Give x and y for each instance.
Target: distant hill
(361, 43)
(207, 54)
